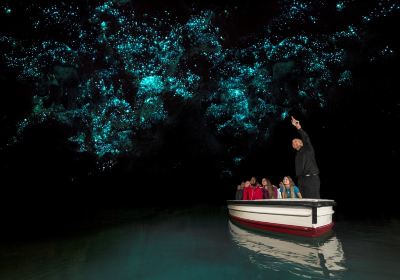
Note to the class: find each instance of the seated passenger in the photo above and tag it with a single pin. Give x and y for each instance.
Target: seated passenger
(270, 191)
(254, 183)
(239, 191)
(288, 188)
(252, 190)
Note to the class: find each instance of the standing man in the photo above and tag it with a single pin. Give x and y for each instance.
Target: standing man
(306, 166)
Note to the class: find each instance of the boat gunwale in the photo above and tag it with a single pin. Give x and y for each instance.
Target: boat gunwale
(287, 202)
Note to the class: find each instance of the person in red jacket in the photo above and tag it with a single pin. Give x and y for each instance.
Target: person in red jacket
(252, 190)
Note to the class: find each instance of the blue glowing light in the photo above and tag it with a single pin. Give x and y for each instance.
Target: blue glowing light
(111, 77)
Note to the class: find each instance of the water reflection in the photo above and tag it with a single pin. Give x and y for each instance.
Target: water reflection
(321, 258)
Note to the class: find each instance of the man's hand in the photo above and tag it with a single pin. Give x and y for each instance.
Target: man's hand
(296, 123)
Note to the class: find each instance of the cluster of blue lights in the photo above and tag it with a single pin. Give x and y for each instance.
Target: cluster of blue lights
(110, 75)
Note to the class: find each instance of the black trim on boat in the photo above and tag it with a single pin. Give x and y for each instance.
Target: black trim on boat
(314, 215)
(307, 203)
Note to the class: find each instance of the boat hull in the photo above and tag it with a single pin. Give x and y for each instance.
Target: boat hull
(303, 217)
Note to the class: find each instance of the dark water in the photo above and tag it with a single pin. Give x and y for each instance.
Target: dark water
(203, 244)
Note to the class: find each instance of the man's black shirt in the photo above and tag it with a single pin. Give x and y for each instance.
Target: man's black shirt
(305, 162)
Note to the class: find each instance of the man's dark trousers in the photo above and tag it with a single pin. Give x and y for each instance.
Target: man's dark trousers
(309, 186)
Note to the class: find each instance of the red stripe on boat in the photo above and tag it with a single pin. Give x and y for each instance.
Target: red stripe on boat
(296, 230)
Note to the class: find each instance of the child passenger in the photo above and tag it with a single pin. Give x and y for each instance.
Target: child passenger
(239, 191)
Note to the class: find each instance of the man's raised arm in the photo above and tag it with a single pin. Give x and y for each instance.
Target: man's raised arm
(304, 136)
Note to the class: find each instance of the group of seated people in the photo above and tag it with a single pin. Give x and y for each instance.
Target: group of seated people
(251, 190)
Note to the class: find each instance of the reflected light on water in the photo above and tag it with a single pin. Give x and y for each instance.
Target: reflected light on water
(308, 258)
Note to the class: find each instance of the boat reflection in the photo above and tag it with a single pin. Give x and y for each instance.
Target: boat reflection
(303, 257)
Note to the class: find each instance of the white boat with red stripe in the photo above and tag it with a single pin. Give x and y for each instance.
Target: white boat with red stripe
(304, 217)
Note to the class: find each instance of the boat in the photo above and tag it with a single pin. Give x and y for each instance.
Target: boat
(323, 256)
(303, 217)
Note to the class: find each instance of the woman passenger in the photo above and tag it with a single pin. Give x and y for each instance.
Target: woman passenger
(289, 189)
(270, 191)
